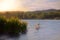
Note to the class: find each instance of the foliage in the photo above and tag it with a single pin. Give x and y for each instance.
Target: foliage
(2, 24)
(11, 26)
(23, 27)
(44, 14)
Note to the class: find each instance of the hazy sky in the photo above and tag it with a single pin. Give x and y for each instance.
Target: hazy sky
(28, 5)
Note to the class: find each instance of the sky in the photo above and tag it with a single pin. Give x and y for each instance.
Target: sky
(28, 5)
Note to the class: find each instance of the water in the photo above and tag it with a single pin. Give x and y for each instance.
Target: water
(49, 30)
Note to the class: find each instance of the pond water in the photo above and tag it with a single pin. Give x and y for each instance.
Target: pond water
(49, 30)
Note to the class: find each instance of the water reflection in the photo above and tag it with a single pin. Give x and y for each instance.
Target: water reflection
(8, 38)
(49, 30)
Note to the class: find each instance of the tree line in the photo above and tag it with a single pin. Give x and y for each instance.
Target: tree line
(44, 14)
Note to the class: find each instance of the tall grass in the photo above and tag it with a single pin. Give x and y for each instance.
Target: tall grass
(23, 27)
(2, 24)
(12, 26)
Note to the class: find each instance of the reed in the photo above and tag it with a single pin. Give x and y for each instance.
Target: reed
(12, 26)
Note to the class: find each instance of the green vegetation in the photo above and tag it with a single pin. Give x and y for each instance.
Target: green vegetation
(2, 24)
(43, 14)
(12, 26)
(23, 27)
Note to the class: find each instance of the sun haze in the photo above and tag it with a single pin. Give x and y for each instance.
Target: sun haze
(11, 5)
(28, 5)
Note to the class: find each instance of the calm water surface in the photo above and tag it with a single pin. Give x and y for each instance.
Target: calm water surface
(49, 30)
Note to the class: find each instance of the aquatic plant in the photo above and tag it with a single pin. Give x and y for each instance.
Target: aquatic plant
(23, 27)
(12, 26)
(2, 24)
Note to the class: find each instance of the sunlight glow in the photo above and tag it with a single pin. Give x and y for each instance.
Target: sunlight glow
(28, 5)
(11, 5)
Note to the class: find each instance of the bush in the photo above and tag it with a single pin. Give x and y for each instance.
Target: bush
(23, 27)
(2, 24)
(12, 26)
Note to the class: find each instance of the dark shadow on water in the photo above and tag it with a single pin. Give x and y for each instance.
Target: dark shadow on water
(5, 37)
(11, 36)
(24, 33)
